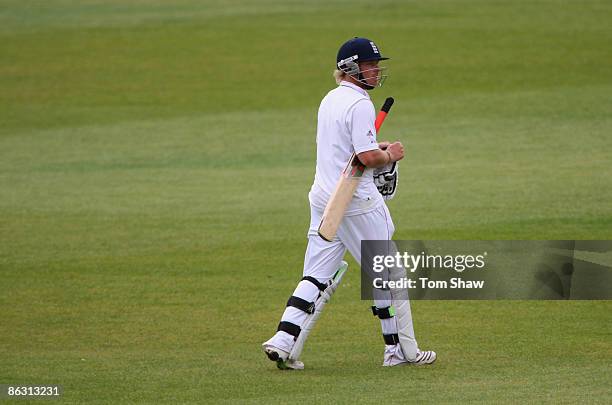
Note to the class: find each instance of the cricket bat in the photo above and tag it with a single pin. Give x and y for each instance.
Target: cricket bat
(346, 186)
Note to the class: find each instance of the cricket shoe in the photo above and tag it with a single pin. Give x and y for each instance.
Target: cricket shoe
(395, 357)
(281, 358)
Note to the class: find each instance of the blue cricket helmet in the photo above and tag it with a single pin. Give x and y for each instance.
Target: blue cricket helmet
(358, 50)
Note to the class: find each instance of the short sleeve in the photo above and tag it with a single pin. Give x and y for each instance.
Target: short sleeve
(361, 126)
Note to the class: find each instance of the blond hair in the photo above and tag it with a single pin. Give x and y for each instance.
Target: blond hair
(339, 75)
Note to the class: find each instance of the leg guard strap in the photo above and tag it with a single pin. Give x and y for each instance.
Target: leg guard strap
(391, 339)
(299, 303)
(290, 328)
(320, 286)
(383, 313)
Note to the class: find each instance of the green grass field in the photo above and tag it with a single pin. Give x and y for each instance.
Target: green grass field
(155, 160)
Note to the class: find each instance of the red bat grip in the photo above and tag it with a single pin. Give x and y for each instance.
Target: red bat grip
(380, 118)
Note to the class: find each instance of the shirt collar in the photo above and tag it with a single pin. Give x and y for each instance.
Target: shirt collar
(354, 86)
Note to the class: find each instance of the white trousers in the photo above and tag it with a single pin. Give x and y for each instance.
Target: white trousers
(322, 260)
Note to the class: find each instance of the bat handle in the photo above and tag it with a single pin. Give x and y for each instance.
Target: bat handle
(380, 118)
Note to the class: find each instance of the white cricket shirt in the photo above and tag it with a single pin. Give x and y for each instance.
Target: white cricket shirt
(345, 125)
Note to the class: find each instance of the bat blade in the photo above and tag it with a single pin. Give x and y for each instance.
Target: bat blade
(339, 202)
